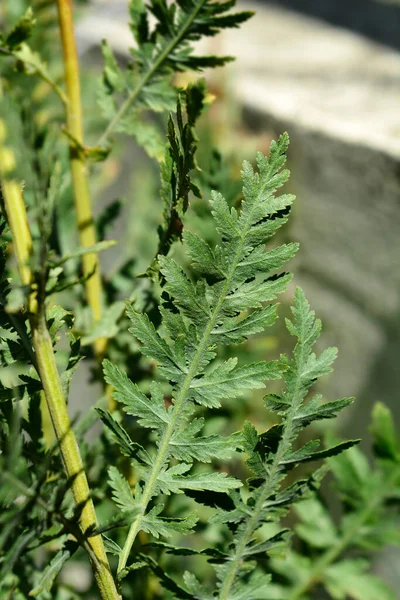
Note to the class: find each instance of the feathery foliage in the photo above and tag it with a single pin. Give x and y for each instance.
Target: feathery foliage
(160, 52)
(272, 456)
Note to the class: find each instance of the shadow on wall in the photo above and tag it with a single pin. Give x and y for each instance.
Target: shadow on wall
(377, 19)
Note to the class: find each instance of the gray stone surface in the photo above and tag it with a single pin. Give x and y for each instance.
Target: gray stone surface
(315, 75)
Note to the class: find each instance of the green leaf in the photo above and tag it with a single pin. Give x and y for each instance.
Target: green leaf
(222, 296)
(226, 218)
(73, 362)
(111, 546)
(275, 542)
(139, 22)
(112, 74)
(189, 296)
(309, 452)
(146, 134)
(255, 587)
(54, 568)
(226, 381)
(121, 491)
(260, 261)
(384, 433)
(174, 480)
(122, 439)
(254, 293)
(349, 579)
(57, 318)
(22, 30)
(316, 367)
(352, 471)
(158, 54)
(153, 344)
(151, 412)
(202, 256)
(166, 527)
(316, 527)
(186, 446)
(271, 454)
(235, 332)
(317, 410)
(193, 586)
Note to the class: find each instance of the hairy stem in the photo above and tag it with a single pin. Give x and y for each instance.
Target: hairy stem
(152, 70)
(162, 453)
(258, 508)
(79, 171)
(47, 369)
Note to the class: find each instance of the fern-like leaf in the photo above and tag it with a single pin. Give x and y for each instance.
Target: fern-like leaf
(271, 454)
(161, 51)
(207, 312)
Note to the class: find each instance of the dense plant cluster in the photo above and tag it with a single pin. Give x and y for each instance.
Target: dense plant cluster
(191, 488)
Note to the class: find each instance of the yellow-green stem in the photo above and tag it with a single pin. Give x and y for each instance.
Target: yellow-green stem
(79, 171)
(70, 452)
(47, 368)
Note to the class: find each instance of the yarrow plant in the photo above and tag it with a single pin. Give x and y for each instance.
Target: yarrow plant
(187, 492)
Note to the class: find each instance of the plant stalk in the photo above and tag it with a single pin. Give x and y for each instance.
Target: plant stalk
(70, 452)
(79, 171)
(47, 369)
